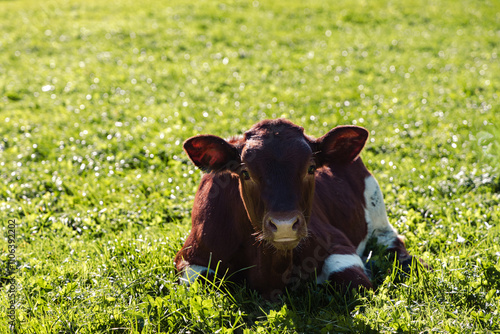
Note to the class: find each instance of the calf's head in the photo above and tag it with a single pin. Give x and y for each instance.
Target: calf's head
(276, 164)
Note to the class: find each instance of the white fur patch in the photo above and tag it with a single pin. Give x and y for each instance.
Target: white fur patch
(376, 217)
(191, 272)
(336, 263)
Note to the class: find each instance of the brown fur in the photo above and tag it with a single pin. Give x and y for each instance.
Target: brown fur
(228, 229)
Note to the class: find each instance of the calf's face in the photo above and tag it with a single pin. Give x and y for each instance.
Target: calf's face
(277, 183)
(276, 165)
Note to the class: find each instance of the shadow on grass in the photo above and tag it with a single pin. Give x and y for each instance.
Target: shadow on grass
(215, 302)
(310, 308)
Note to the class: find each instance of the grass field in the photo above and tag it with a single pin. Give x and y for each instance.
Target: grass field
(96, 98)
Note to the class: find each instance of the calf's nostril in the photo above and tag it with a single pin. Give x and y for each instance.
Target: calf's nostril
(272, 226)
(295, 225)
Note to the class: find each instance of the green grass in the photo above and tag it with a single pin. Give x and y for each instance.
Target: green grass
(96, 99)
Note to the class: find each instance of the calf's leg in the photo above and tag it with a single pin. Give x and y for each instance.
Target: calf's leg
(344, 270)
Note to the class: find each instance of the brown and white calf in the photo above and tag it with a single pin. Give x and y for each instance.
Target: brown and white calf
(277, 207)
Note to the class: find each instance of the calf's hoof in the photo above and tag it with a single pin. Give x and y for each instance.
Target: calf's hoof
(349, 279)
(410, 265)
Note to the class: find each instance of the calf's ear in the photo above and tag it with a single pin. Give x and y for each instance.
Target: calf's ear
(341, 144)
(211, 153)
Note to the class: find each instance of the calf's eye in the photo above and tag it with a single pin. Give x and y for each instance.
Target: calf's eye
(245, 175)
(311, 170)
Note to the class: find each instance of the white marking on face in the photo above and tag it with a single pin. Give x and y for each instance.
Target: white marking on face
(376, 217)
(191, 272)
(338, 262)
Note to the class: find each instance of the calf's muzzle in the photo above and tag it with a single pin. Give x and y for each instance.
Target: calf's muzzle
(284, 230)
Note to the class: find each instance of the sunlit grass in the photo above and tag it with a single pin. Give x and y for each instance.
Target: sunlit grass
(96, 99)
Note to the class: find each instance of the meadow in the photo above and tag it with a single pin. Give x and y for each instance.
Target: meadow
(97, 97)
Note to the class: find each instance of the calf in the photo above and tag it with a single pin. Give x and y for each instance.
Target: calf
(277, 207)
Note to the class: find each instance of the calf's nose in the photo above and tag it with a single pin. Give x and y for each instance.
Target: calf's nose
(284, 227)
